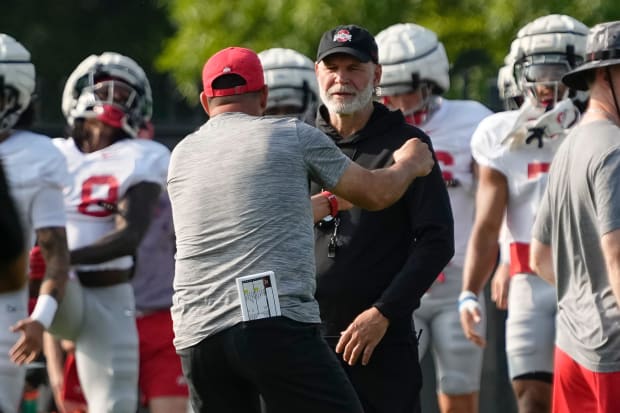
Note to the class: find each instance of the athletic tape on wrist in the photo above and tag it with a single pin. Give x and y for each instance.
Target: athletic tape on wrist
(468, 301)
(44, 310)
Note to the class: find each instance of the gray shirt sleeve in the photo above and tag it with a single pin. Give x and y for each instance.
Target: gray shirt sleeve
(542, 225)
(607, 191)
(324, 160)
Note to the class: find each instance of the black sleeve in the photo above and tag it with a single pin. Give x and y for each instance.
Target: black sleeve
(433, 247)
(12, 239)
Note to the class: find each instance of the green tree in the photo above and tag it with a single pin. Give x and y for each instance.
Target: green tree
(59, 34)
(476, 33)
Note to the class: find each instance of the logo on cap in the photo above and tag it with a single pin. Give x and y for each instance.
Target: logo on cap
(342, 36)
(227, 69)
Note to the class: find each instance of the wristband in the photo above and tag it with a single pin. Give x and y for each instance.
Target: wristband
(44, 310)
(468, 301)
(333, 203)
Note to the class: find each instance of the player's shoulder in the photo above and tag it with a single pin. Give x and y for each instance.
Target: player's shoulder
(64, 145)
(34, 147)
(35, 158)
(151, 159)
(457, 117)
(499, 119)
(142, 149)
(491, 131)
(470, 108)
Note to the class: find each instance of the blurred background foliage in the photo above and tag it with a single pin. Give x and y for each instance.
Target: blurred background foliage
(172, 39)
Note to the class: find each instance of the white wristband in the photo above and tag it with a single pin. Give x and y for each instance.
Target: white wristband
(468, 301)
(44, 310)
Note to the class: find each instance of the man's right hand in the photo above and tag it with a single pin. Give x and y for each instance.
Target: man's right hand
(471, 316)
(417, 154)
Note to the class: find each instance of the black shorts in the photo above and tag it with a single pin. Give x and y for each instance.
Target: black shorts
(287, 362)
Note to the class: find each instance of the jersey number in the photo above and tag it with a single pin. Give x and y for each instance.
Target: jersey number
(446, 160)
(88, 187)
(537, 168)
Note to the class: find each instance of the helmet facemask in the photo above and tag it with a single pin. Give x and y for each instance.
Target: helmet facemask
(291, 101)
(426, 105)
(540, 78)
(112, 88)
(293, 88)
(546, 49)
(9, 106)
(113, 102)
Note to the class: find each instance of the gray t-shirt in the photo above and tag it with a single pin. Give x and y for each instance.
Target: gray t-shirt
(239, 188)
(581, 204)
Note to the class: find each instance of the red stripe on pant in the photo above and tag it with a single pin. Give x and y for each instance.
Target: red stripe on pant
(520, 258)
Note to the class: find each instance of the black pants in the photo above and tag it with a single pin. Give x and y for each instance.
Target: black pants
(392, 380)
(285, 361)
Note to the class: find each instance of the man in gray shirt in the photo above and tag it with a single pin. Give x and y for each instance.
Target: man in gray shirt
(239, 188)
(576, 237)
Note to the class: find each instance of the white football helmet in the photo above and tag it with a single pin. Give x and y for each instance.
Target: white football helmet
(109, 86)
(292, 84)
(549, 47)
(411, 55)
(507, 86)
(17, 81)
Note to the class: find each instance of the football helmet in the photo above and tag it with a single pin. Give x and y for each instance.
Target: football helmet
(507, 87)
(110, 87)
(548, 47)
(411, 55)
(17, 81)
(292, 84)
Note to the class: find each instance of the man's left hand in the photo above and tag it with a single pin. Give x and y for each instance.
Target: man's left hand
(362, 336)
(29, 343)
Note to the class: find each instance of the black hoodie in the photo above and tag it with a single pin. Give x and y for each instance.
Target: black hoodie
(389, 258)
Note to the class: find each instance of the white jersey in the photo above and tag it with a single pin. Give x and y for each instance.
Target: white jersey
(99, 180)
(451, 128)
(36, 172)
(525, 168)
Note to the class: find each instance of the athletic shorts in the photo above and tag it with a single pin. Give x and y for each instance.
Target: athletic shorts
(101, 322)
(161, 374)
(530, 326)
(160, 366)
(71, 389)
(577, 389)
(13, 307)
(458, 361)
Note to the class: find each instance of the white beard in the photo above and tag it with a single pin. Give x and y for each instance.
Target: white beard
(352, 105)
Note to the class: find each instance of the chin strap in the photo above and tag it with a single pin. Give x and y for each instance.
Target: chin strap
(536, 125)
(419, 117)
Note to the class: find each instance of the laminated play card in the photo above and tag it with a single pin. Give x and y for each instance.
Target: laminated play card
(258, 294)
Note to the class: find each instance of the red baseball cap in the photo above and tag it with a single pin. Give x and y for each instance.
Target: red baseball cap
(233, 60)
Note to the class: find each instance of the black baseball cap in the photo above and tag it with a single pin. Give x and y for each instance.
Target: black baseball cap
(349, 39)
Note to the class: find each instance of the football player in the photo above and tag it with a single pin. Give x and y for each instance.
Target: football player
(115, 184)
(36, 173)
(514, 150)
(415, 75)
(293, 89)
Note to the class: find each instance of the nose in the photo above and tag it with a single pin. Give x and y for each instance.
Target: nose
(546, 89)
(340, 76)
